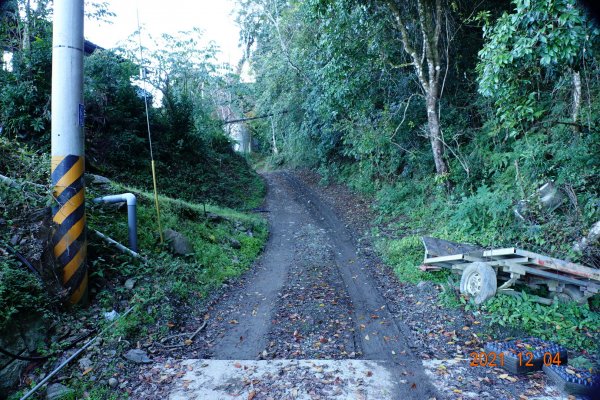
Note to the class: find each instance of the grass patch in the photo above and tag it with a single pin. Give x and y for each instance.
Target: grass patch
(449, 296)
(404, 256)
(167, 284)
(80, 390)
(20, 293)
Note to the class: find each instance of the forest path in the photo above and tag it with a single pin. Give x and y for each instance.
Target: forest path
(308, 321)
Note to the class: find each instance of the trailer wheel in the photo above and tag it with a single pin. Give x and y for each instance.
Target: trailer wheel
(478, 281)
(571, 293)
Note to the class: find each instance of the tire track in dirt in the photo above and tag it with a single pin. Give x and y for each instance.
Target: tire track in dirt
(311, 296)
(314, 317)
(378, 336)
(246, 313)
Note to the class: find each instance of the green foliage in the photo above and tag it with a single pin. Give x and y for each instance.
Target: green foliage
(84, 388)
(526, 51)
(483, 215)
(581, 363)
(21, 294)
(411, 203)
(317, 82)
(25, 92)
(115, 116)
(23, 163)
(404, 256)
(571, 325)
(449, 297)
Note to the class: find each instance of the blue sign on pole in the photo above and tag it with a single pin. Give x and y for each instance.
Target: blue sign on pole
(81, 115)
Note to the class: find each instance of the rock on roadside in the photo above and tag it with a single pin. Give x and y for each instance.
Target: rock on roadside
(130, 283)
(138, 356)
(235, 244)
(92, 179)
(56, 391)
(178, 244)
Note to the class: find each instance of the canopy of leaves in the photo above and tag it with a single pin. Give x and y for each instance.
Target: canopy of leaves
(345, 100)
(528, 50)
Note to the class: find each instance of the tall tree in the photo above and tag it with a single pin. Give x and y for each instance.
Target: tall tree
(421, 33)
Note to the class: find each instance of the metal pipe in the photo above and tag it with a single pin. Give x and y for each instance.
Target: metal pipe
(67, 165)
(74, 356)
(118, 245)
(19, 184)
(9, 182)
(131, 214)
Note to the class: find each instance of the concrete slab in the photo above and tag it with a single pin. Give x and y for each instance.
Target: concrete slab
(285, 379)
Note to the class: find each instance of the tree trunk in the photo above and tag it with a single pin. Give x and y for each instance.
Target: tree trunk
(435, 135)
(425, 55)
(275, 150)
(576, 100)
(27, 31)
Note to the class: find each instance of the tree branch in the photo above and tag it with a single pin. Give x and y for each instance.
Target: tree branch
(284, 49)
(408, 48)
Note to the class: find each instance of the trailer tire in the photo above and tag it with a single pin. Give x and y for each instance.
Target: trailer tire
(571, 293)
(479, 282)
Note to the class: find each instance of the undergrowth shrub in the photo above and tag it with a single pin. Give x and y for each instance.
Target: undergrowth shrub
(417, 202)
(484, 217)
(22, 163)
(572, 325)
(21, 294)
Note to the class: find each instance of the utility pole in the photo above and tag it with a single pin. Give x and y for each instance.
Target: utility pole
(69, 241)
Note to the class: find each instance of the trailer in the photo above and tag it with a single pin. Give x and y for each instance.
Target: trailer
(485, 272)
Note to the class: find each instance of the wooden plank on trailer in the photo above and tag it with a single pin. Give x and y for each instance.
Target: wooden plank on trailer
(519, 260)
(560, 265)
(443, 259)
(475, 257)
(425, 268)
(500, 252)
(551, 275)
(452, 259)
(513, 268)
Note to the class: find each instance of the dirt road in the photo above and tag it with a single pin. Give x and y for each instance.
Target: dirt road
(312, 297)
(319, 317)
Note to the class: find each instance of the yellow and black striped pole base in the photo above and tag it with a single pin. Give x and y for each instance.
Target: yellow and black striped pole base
(69, 240)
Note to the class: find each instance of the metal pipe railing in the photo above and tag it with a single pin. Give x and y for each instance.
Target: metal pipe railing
(131, 201)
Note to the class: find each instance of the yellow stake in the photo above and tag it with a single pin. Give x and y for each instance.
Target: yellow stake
(156, 202)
